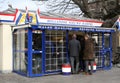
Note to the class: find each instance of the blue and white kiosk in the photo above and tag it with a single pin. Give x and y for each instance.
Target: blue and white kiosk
(40, 43)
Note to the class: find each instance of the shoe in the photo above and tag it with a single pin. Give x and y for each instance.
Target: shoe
(90, 73)
(85, 73)
(76, 72)
(81, 71)
(73, 73)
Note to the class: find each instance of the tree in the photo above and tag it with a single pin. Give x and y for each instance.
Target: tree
(98, 9)
(102, 9)
(63, 6)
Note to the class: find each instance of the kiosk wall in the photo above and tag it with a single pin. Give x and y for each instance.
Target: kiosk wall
(41, 50)
(5, 48)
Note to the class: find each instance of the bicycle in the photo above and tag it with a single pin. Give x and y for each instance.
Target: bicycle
(116, 61)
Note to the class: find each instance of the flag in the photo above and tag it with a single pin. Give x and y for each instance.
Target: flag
(27, 20)
(118, 23)
(17, 17)
(38, 16)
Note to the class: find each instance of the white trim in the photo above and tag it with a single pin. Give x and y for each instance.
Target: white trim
(21, 26)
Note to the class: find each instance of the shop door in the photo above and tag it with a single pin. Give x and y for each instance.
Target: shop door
(36, 51)
(107, 51)
(103, 50)
(55, 50)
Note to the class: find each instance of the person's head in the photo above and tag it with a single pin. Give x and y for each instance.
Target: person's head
(74, 36)
(86, 36)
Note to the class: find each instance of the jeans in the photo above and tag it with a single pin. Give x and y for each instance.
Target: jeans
(82, 65)
(74, 60)
(87, 64)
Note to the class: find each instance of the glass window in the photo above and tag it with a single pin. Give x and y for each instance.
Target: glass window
(55, 47)
(37, 63)
(107, 41)
(20, 45)
(37, 40)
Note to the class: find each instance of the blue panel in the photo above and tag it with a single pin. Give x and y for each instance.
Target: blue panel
(21, 73)
(6, 21)
(67, 46)
(110, 50)
(29, 69)
(43, 49)
(103, 48)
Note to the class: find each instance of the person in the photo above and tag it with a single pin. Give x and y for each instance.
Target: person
(82, 66)
(74, 50)
(88, 54)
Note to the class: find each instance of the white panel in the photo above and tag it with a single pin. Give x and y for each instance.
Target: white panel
(7, 49)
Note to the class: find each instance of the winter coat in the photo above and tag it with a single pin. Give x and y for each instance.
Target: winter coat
(74, 47)
(89, 49)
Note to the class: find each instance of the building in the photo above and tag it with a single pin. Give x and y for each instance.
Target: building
(36, 44)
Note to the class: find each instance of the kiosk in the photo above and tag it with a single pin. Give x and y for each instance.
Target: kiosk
(40, 44)
(41, 49)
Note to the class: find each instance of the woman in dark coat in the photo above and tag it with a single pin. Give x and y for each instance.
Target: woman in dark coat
(88, 54)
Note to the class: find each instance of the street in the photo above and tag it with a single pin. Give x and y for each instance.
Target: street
(101, 76)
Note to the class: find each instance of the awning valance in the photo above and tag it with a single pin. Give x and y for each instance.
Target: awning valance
(80, 28)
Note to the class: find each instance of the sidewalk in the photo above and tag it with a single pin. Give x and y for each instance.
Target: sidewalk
(108, 76)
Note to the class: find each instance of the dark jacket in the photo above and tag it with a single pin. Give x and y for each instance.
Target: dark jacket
(74, 47)
(89, 49)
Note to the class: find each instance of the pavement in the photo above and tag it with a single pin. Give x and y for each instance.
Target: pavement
(101, 76)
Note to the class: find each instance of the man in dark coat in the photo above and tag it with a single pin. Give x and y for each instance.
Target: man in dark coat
(74, 50)
(88, 54)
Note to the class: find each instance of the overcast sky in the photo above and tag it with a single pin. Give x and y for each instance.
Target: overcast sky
(21, 4)
(34, 5)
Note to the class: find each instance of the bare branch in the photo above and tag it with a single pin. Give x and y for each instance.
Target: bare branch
(66, 6)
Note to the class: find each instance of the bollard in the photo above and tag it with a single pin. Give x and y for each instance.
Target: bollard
(66, 69)
(94, 67)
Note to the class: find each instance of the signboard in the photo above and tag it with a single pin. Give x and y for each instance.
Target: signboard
(68, 22)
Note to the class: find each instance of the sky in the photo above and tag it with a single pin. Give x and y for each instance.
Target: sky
(22, 4)
(34, 5)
